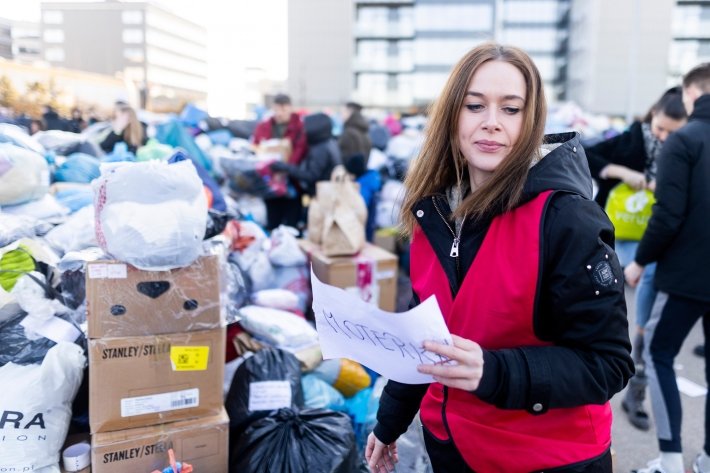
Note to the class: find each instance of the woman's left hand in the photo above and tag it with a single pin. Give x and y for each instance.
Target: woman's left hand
(468, 370)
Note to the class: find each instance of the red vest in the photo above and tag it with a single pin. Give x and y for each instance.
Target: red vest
(494, 307)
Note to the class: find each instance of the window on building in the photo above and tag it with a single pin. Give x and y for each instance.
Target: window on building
(392, 83)
(132, 17)
(453, 17)
(393, 15)
(54, 54)
(52, 17)
(132, 36)
(392, 48)
(53, 35)
(134, 54)
(526, 11)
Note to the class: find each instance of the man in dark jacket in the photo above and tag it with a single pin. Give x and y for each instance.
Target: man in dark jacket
(355, 138)
(677, 238)
(323, 154)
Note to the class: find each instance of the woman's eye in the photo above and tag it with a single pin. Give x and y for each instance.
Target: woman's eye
(474, 107)
(511, 110)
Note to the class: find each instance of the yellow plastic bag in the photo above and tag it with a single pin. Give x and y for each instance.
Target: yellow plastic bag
(629, 210)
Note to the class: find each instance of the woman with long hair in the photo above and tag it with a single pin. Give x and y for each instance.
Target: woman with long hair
(520, 258)
(125, 128)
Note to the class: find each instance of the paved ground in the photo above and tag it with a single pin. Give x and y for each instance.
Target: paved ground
(633, 447)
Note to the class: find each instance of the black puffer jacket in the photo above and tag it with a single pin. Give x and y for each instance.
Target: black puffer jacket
(322, 156)
(583, 317)
(355, 138)
(678, 232)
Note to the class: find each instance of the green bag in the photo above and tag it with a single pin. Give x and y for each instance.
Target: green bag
(629, 210)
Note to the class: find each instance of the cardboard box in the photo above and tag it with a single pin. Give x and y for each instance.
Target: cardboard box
(124, 301)
(141, 381)
(343, 271)
(275, 149)
(387, 239)
(203, 443)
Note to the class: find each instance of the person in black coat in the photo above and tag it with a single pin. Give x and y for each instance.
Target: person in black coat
(125, 128)
(355, 138)
(322, 156)
(677, 238)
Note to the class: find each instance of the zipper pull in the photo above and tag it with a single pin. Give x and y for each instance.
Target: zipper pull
(455, 248)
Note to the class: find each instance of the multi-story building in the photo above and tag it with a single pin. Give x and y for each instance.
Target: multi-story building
(691, 37)
(26, 42)
(618, 54)
(5, 38)
(541, 27)
(163, 54)
(320, 52)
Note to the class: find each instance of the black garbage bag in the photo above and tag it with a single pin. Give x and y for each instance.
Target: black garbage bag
(312, 440)
(270, 364)
(216, 222)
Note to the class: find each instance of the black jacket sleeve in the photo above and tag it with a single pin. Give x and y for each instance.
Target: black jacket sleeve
(581, 310)
(670, 209)
(601, 154)
(110, 141)
(399, 404)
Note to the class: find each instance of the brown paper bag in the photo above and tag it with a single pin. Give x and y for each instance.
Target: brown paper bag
(337, 216)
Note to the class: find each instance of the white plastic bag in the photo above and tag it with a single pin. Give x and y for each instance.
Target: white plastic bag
(24, 175)
(36, 409)
(277, 299)
(76, 234)
(150, 214)
(280, 328)
(284, 247)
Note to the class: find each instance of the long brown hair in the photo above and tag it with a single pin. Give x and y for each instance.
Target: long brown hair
(133, 134)
(441, 164)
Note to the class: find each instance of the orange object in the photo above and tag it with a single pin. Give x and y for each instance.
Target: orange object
(209, 195)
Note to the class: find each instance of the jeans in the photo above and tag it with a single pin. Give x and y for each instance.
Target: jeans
(645, 295)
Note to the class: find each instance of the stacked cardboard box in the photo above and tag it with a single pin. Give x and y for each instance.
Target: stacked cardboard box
(156, 367)
(372, 273)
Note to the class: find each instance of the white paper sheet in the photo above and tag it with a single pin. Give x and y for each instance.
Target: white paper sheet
(388, 343)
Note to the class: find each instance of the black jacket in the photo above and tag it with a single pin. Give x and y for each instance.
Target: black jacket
(627, 149)
(589, 359)
(355, 138)
(112, 138)
(322, 156)
(678, 233)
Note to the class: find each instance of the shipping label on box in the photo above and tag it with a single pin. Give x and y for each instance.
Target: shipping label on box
(139, 381)
(123, 301)
(202, 442)
(372, 273)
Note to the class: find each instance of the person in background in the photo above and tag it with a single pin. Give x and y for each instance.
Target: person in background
(36, 126)
(355, 138)
(676, 238)
(52, 120)
(284, 123)
(77, 122)
(632, 158)
(370, 186)
(520, 259)
(322, 156)
(125, 128)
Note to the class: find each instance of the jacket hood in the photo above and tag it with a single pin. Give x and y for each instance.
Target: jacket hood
(701, 108)
(563, 167)
(319, 128)
(357, 121)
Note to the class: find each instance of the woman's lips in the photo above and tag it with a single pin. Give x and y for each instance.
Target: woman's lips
(488, 146)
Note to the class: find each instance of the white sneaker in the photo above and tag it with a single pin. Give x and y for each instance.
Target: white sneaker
(654, 466)
(696, 465)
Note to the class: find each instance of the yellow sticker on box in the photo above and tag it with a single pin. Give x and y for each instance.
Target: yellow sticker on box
(188, 358)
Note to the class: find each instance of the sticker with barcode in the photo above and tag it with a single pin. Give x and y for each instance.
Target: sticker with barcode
(137, 406)
(98, 271)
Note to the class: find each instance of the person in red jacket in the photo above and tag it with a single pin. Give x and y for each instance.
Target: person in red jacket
(520, 258)
(284, 123)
